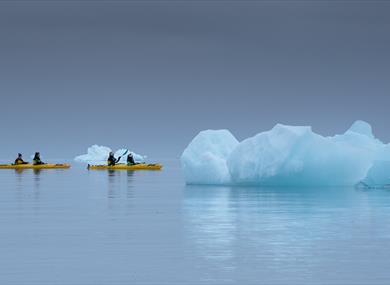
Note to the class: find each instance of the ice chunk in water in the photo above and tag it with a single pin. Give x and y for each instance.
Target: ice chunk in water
(284, 156)
(98, 155)
(204, 160)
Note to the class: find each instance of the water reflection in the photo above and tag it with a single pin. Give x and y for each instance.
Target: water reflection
(119, 181)
(19, 171)
(129, 188)
(155, 230)
(113, 184)
(28, 187)
(19, 178)
(119, 191)
(272, 227)
(212, 220)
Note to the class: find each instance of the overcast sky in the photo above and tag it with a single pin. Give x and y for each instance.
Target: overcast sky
(150, 75)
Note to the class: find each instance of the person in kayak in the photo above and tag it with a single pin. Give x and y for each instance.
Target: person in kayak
(111, 160)
(37, 159)
(19, 160)
(130, 159)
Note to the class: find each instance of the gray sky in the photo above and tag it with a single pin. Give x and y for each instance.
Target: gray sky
(151, 75)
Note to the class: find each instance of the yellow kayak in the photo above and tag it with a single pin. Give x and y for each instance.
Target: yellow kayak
(141, 166)
(32, 166)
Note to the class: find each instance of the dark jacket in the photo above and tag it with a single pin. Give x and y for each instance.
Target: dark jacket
(20, 161)
(37, 160)
(130, 160)
(111, 160)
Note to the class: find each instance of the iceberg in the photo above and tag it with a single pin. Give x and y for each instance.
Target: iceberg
(204, 160)
(287, 156)
(378, 175)
(98, 155)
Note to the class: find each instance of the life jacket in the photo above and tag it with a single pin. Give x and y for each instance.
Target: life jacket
(37, 161)
(19, 161)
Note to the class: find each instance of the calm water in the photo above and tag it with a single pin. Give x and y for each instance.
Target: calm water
(100, 227)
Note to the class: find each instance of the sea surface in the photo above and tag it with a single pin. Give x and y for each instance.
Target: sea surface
(117, 227)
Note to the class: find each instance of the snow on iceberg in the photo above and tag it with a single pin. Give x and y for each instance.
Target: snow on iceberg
(98, 155)
(284, 156)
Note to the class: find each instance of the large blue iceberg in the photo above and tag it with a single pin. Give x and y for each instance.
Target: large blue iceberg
(288, 156)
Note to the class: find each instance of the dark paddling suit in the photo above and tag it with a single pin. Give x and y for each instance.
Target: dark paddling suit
(37, 160)
(130, 160)
(111, 161)
(20, 161)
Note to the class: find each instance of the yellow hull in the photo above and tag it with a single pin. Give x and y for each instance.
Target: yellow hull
(31, 166)
(141, 166)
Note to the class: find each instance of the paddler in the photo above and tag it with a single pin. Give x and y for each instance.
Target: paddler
(19, 160)
(130, 159)
(111, 160)
(37, 159)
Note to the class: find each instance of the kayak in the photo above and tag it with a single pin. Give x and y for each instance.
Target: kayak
(141, 166)
(32, 166)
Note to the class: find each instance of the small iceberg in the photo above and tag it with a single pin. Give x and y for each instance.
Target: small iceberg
(97, 155)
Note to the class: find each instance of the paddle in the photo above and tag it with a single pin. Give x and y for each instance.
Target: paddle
(119, 158)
